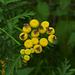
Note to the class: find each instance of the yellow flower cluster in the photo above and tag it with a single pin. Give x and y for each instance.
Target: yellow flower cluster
(3, 65)
(31, 37)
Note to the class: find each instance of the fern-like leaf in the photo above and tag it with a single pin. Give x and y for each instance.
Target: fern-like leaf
(11, 69)
(22, 16)
(10, 1)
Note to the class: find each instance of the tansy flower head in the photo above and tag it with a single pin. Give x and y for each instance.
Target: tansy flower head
(35, 40)
(52, 38)
(34, 33)
(26, 28)
(37, 49)
(4, 65)
(3, 72)
(45, 24)
(28, 43)
(24, 61)
(43, 42)
(23, 36)
(34, 23)
(27, 51)
(32, 50)
(50, 30)
(22, 51)
(42, 30)
(26, 57)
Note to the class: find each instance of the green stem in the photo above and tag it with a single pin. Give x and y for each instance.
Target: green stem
(10, 36)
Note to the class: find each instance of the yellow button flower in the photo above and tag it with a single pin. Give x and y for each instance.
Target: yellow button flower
(34, 23)
(52, 38)
(35, 40)
(45, 24)
(50, 30)
(42, 29)
(6, 58)
(43, 42)
(23, 36)
(22, 51)
(27, 51)
(4, 65)
(2, 62)
(28, 43)
(24, 61)
(35, 33)
(26, 28)
(3, 72)
(37, 49)
(26, 57)
(32, 50)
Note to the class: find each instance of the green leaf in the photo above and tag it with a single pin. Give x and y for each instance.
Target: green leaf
(64, 3)
(1, 17)
(72, 70)
(10, 27)
(22, 16)
(72, 38)
(43, 10)
(10, 36)
(2, 1)
(11, 68)
(9, 1)
(18, 4)
(25, 71)
(63, 7)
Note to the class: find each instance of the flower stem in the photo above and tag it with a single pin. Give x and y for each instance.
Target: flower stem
(10, 36)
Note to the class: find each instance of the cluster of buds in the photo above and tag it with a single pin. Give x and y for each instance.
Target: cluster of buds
(33, 41)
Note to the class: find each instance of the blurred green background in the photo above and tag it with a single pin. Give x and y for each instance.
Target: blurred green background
(60, 14)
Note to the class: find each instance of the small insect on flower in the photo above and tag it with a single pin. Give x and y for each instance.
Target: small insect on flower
(23, 36)
(26, 57)
(27, 52)
(45, 24)
(52, 38)
(28, 43)
(50, 30)
(42, 30)
(35, 33)
(35, 40)
(22, 51)
(34, 23)
(37, 49)
(43, 42)
(32, 50)
(26, 28)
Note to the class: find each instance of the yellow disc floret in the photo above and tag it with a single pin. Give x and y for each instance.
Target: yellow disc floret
(42, 29)
(22, 51)
(43, 42)
(50, 30)
(52, 38)
(27, 51)
(26, 57)
(28, 43)
(26, 29)
(23, 36)
(32, 50)
(45, 24)
(35, 40)
(34, 23)
(35, 33)
(37, 49)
